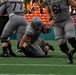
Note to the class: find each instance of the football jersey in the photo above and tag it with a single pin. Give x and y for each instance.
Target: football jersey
(14, 6)
(59, 9)
(32, 33)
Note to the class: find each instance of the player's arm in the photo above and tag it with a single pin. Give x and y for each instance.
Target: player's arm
(49, 15)
(45, 29)
(24, 38)
(72, 2)
(48, 12)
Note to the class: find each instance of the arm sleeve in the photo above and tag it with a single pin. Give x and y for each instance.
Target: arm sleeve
(29, 31)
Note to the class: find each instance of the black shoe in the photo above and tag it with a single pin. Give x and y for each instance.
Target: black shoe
(46, 53)
(50, 47)
(73, 52)
(12, 54)
(4, 55)
(70, 58)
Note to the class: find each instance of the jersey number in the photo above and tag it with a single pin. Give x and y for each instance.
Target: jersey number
(56, 9)
(15, 4)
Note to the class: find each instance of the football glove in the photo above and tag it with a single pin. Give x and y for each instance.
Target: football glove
(45, 29)
(19, 49)
(50, 47)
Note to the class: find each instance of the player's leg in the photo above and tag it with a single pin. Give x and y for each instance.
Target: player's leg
(70, 34)
(45, 46)
(35, 49)
(41, 43)
(11, 53)
(32, 50)
(38, 50)
(3, 21)
(21, 29)
(44, 43)
(26, 49)
(8, 30)
(59, 35)
(20, 32)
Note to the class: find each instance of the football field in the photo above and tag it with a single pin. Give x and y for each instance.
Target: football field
(53, 64)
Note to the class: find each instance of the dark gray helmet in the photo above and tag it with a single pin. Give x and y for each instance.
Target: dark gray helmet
(36, 23)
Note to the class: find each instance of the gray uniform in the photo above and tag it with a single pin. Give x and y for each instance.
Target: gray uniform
(35, 41)
(17, 21)
(3, 21)
(63, 21)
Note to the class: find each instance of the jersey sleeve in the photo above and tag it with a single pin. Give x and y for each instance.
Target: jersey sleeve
(29, 30)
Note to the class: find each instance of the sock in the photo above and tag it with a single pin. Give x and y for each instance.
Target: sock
(72, 41)
(9, 47)
(64, 48)
(4, 49)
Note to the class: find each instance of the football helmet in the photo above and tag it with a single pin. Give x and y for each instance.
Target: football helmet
(36, 23)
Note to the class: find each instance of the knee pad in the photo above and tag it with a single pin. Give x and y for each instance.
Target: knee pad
(28, 51)
(4, 40)
(61, 41)
(69, 34)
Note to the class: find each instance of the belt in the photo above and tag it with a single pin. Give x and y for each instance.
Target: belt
(60, 21)
(12, 14)
(20, 14)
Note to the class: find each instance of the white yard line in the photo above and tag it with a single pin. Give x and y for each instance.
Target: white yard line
(36, 74)
(43, 65)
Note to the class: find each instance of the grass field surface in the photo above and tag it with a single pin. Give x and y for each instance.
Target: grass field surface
(53, 64)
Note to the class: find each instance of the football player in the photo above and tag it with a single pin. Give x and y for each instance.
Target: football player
(17, 22)
(3, 21)
(31, 44)
(60, 18)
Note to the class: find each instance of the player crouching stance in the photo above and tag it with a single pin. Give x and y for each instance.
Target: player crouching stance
(31, 45)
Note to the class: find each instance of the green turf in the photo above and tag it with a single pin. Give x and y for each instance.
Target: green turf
(54, 64)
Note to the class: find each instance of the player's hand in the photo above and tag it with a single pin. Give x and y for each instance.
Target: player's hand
(45, 29)
(48, 30)
(19, 49)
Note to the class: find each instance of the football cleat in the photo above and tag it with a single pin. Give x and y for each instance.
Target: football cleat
(4, 55)
(12, 54)
(73, 52)
(70, 58)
